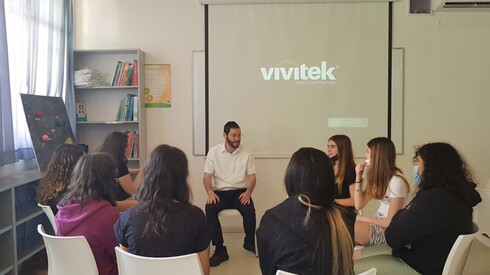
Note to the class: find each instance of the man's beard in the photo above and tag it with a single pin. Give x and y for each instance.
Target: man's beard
(233, 144)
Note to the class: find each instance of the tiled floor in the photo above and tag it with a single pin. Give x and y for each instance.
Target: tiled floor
(241, 262)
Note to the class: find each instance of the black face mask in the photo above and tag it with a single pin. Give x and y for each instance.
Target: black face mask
(334, 158)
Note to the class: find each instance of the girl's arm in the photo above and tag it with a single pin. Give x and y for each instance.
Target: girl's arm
(395, 205)
(360, 197)
(204, 259)
(128, 185)
(125, 204)
(349, 202)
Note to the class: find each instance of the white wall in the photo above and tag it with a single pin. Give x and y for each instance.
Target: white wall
(447, 58)
(447, 92)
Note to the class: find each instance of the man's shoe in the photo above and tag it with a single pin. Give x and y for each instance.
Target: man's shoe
(249, 246)
(220, 255)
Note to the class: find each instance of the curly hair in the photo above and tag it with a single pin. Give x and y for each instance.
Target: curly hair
(93, 178)
(58, 172)
(444, 167)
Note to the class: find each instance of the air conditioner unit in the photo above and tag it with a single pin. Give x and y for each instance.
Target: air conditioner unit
(461, 5)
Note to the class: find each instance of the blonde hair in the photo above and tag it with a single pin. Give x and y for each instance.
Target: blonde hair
(341, 240)
(341, 250)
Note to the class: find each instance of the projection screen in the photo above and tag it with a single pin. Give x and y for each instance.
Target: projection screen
(292, 75)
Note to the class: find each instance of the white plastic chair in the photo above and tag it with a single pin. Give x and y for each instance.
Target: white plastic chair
(478, 255)
(480, 213)
(234, 212)
(50, 215)
(459, 252)
(130, 264)
(282, 272)
(371, 271)
(68, 255)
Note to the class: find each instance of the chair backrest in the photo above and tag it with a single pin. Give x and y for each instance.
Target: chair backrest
(130, 264)
(282, 272)
(478, 255)
(371, 271)
(68, 255)
(459, 252)
(480, 213)
(50, 215)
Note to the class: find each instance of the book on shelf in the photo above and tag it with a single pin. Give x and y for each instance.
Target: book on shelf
(129, 149)
(123, 74)
(134, 79)
(129, 75)
(128, 108)
(133, 144)
(129, 111)
(136, 145)
(136, 105)
(116, 73)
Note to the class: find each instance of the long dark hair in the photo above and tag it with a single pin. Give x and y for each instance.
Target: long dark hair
(345, 158)
(58, 173)
(92, 179)
(115, 144)
(444, 167)
(310, 176)
(164, 183)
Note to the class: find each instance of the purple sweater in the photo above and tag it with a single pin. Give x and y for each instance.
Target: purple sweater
(95, 221)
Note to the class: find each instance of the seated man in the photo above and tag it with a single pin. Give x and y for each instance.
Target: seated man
(229, 179)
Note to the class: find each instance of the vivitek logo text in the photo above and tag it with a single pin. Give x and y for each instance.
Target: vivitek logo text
(302, 72)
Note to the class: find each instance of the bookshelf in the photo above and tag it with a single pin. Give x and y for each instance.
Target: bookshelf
(102, 100)
(19, 217)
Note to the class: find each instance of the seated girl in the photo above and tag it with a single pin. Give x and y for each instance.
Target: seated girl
(164, 223)
(422, 234)
(88, 208)
(57, 176)
(307, 233)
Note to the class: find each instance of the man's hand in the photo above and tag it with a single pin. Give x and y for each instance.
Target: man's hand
(245, 198)
(212, 198)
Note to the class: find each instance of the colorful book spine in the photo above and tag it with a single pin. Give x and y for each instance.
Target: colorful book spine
(123, 74)
(136, 105)
(129, 75)
(134, 78)
(116, 74)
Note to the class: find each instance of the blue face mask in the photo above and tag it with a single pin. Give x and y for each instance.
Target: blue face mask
(416, 175)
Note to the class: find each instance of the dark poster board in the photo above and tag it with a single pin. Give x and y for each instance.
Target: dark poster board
(48, 124)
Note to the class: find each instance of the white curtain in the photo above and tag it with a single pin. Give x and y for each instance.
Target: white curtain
(39, 47)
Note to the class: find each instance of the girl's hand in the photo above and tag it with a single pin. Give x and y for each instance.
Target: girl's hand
(360, 171)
